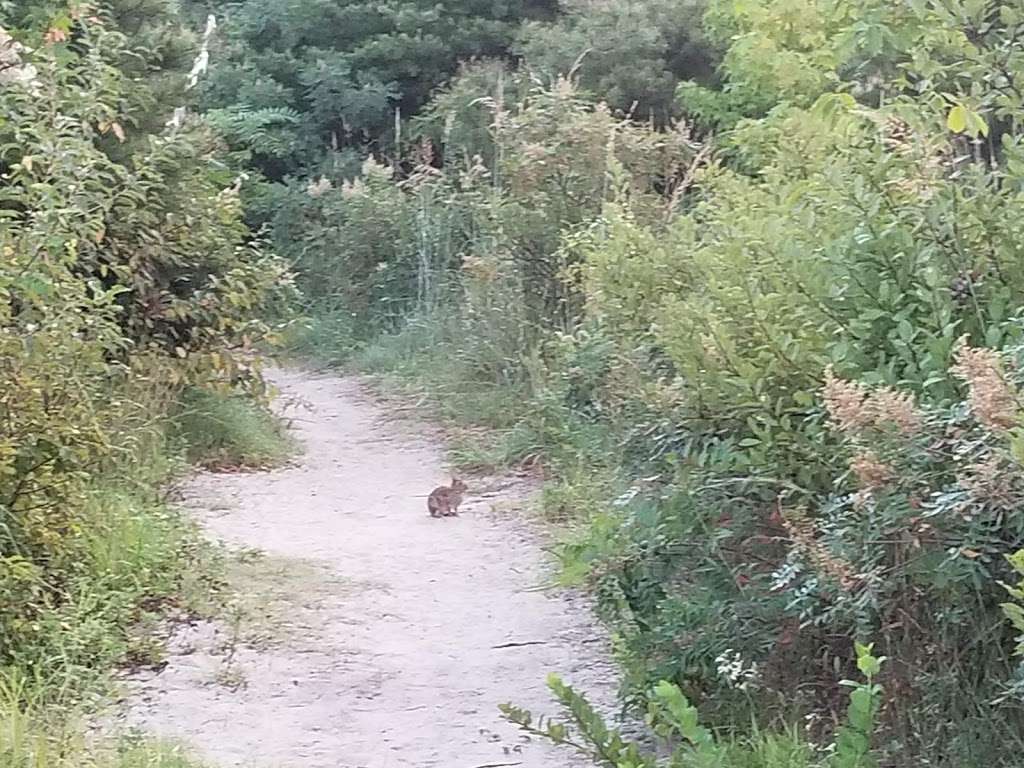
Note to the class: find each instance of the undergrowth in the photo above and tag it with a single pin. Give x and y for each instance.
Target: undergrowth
(219, 431)
(485, 417)
(686, 743)
(136, 562)
(32, 735)
(770, 358)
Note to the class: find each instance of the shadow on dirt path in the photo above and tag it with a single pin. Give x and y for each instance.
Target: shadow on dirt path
(372, 635)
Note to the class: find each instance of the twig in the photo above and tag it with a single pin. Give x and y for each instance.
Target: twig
(496, 765)
(517, 645)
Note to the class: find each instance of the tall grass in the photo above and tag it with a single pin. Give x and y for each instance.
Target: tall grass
(427, 364)
(134, 562)
(33, 735)
(227, 431)
(325, 334)
(137, 560)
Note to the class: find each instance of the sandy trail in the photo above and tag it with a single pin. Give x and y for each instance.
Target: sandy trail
(374, 635)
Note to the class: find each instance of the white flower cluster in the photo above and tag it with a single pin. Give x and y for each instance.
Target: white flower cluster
(733, 668)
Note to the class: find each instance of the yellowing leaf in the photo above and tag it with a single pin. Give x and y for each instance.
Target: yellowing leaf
(118, 131)
(957, 119)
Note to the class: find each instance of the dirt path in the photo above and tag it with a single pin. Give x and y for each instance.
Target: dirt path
(373, 636)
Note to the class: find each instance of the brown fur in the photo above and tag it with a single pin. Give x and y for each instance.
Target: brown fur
(445, 501)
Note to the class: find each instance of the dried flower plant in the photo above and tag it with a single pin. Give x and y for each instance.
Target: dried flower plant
(854, 407)
(993, 401)
(806, 542)
(871, 471)
(991, 480)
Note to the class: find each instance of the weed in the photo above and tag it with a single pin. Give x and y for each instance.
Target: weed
(136, 561)
(226, 432)
(326, 335)
(32, 735)
(674, 719)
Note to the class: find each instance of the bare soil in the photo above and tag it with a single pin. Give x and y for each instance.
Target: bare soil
(368, 634)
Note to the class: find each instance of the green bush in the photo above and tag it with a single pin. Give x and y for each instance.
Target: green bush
(127, 274)
(131, 560)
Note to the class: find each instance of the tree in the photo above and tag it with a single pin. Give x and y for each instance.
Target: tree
(349, 70)
(629, 53)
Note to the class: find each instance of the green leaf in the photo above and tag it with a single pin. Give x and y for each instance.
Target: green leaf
(1015, 614)
(978, 124)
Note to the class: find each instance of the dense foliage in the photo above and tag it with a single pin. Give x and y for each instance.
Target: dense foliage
(744, 278)
(127, 274)
(769, 355)
(293, 85)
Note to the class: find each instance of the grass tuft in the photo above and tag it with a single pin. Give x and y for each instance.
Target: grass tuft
(229, 432)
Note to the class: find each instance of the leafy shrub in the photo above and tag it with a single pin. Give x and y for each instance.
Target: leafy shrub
(628, 54)
(294, 85)
(127, 274)
(673, 718)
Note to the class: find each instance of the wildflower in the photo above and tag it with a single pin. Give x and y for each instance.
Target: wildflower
(564, 88)
(889, 407)
(990, 480)
(844, 401)
(353, 189)
(737, 673)
(992, 400)
(319, 187)
(372, 169)
(55, 35)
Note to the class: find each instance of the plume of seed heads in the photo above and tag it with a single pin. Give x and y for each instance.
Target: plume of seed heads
(993, 401)
(853, 407)
(805, 541)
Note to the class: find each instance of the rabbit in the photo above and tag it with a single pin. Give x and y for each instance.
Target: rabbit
(445, 501)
